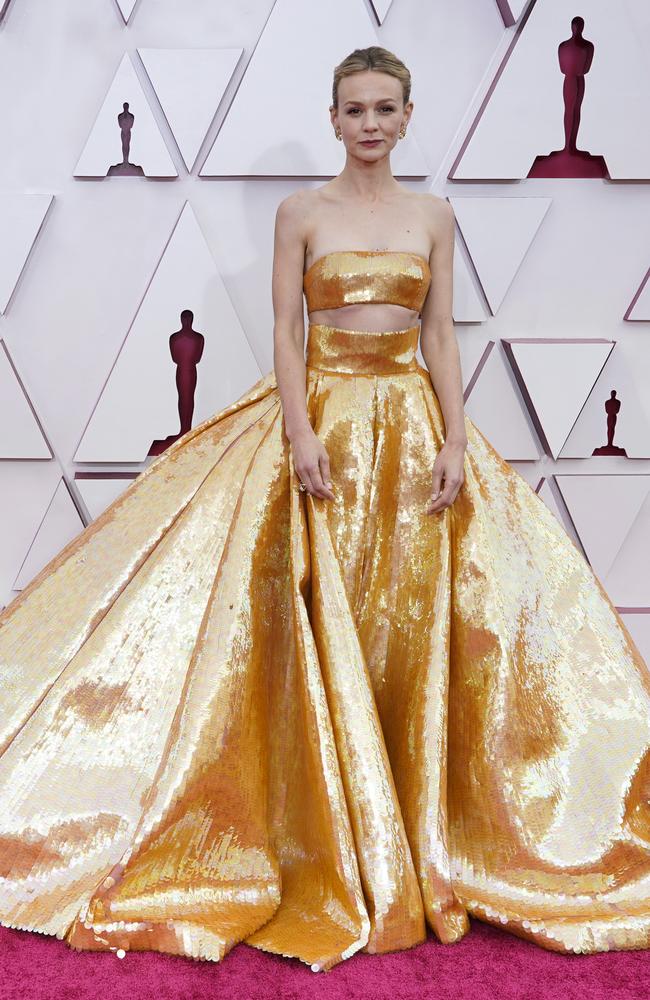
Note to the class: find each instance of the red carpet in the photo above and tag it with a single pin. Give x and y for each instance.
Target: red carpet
(487, 963)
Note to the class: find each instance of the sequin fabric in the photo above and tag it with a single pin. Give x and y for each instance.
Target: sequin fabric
(234, 712)
(346, 277)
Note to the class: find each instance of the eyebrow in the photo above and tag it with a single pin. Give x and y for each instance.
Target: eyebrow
(380, 100)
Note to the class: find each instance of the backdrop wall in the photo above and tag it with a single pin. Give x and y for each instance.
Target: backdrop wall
(230, 106)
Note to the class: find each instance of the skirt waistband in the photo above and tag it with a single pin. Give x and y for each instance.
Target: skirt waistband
(362, 352)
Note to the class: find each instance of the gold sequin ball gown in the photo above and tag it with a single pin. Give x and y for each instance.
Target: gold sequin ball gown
(235, 712)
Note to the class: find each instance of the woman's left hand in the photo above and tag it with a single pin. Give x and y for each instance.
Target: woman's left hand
(448, 465)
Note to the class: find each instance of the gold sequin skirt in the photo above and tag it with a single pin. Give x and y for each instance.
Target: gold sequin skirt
(232, 711)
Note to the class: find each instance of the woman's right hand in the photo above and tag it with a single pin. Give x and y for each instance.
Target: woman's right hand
(311, 462)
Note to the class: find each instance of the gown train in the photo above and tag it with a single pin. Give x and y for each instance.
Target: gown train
(232, 711)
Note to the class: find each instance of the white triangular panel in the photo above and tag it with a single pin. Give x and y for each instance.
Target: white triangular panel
(99, 492)
(637, 623)
(468, 304)
(603, 509)
(511, 10)
(60, 524)
(559, 375)
(628, 580)
(641, 307)
(126, 8)
(190, 84)
(20, 434)
(524, 115)
(21, 217)
(257, 140)
(495, 406)
(498, 232)
(632, 431)
(103, 147)
(528, 471)
(471, 348)
(139, 402)
(25, 492)
(517, 7)
(546, 493)
(381, 8)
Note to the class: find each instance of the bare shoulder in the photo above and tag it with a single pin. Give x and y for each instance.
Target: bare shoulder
(439, 210)
(440, 217)
(296, 206)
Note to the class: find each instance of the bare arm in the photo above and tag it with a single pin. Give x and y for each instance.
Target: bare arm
(289, 324)
(440, 352)
(310, 457)
(437, 336)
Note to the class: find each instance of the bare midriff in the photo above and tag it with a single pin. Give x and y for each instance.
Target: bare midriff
(367, 317)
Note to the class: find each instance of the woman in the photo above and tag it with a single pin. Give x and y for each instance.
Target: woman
(329, 673)
(365, 206)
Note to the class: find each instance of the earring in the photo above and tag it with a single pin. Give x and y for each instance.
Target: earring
(337, 133)
(402, 132)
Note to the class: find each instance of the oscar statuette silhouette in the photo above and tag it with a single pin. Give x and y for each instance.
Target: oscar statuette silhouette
(125, 120)
(186, 348)
(612, 406)
(575, 56)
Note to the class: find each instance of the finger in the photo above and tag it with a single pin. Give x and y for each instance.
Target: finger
(437, 501)
(310, 478)
(305, 479)
(445, 499)
(455, 492)
(319, 486)
(327, 479)
(436, 484)
(440, 505)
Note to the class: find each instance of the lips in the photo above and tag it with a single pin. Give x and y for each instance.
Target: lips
(370, 142)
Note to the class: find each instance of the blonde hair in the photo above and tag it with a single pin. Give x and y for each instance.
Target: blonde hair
(374, 57)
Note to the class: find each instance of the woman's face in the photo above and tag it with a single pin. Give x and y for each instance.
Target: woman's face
(370, 113)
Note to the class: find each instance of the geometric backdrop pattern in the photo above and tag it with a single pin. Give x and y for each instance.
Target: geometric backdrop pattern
(60, 523)
(257, 138)
(611, 514)
(381, 8)
(125, 139)
(511, 10)
(495, 403)
(498, 233)
(21, 218)
(189, 86)
(570, 367)
(137, 219)
(120, 428)
(632, 429)
(525, 114)
(639, 308)
(126, 8)
(20, 433)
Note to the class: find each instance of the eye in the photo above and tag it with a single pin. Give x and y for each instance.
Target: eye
(385, 107)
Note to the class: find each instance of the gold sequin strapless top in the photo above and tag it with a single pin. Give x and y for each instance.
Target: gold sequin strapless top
(344, 277)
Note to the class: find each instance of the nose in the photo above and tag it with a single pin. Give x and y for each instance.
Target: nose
(370, 123)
